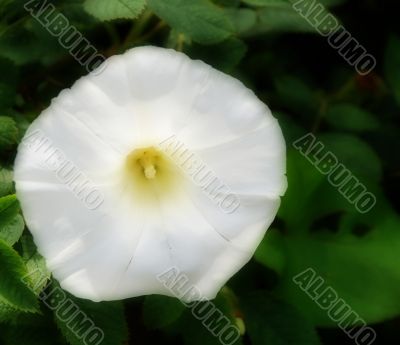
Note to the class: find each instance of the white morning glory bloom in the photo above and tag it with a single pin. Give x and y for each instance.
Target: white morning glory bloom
(156, 161)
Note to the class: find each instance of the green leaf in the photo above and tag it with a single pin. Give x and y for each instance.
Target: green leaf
(243, 19)
(7, 97)
(31, 329)
(201, 20)
(331, 3)
(160, 311)
(262, 3)
(228, 3)
(114, 9)
(4, 4)
(19, 45)
(354, 153)
(35, 264)
(272, 321)
(8, 83)
(309, 189)
(78, 17)
(202, 331)
(223, 56)
(296, 94)
(8, 132)
(309, 195)
(282, 19)
(304, 183)
(11, 9)
(31, 42)
(9, 72)
(6, 182)
(47, 47)
(280, 16)
(356, 267)
(7, 312)
(269, 252)
(107, 317)
(391, 65)
(291, 130)
(346, 116)
(13, 290)
(11, 222)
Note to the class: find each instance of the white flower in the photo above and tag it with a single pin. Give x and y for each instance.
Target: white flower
(112, 176)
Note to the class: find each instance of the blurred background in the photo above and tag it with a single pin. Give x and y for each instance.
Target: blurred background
(310, 88)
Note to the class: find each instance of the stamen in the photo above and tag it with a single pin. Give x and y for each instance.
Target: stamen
(150, 172)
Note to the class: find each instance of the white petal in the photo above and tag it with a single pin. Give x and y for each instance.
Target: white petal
(118, 249)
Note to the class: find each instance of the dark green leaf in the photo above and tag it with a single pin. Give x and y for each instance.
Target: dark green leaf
(261, 3)
(355, 154)
(243, 19)
(29, 329)
(13, 288)
(271, 321)
(223, 56)
(114, 9)
(270, 252)
(35, 264)
(296, 94)
(201, 20)
(160, 311)
(308, 189)
(11, 222)
(207, 327)
(6, 182)
(8, 83)
(105, 318)
(8, 132)
(344, 262)
(346, 116)
(7, 312)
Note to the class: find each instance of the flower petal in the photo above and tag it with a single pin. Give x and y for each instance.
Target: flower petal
(117, 249)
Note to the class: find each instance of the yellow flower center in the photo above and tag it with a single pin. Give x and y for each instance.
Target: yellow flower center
(150, 172)
(145, 162)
